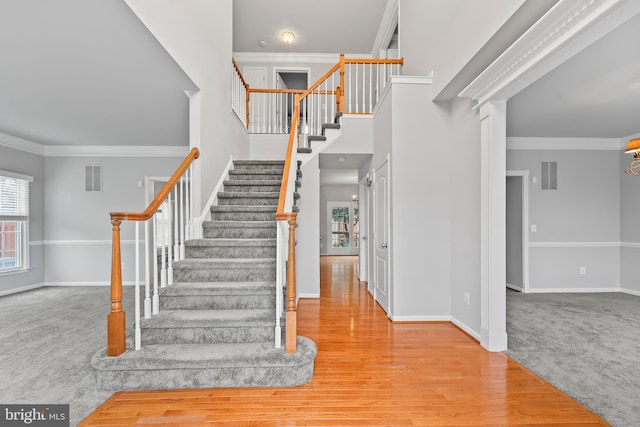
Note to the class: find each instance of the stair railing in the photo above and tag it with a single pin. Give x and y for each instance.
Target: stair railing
(169, 218)
(286, 243)
(352, 86)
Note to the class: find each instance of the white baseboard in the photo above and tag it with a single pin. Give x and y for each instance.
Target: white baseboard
(313, 295)
(21, 289)
(515, 288)
(630, 292)
(465, 328)
(420, 318)
(571, 290)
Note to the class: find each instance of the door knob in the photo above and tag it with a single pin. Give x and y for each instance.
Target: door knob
(384, 246)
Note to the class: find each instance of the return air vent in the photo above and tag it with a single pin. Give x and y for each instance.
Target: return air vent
(549, 174)
(93, 178)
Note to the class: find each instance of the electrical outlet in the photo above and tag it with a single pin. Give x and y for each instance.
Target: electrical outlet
(583, 270)
(533, 228)
(467, 299)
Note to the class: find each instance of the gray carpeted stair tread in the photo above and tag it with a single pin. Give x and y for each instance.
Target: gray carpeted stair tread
(258, 163)
(243, 224)
(244, 208)
(250, 182)
(210, 318)
(249, 194)
(231, 242)
(219, 288)
(253, 263)
(316, 138)
(195, 356)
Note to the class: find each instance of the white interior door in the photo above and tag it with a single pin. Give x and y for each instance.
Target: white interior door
(382, 293)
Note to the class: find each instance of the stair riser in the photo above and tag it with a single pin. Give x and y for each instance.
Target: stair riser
(205, 378)
(243, 216)
(262, 167)
(226, 302)
(240, 233)
(207, 335)
(255, 188)
(231, 252)
(224, 274)
(247, 201)
(255, 177)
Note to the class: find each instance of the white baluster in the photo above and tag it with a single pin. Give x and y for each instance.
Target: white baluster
(169, 241)
(154, 260)
(370, 88)
(377, 83)
(349, 68)
(189, 197)
(138, 334)
(147, 272)
(163, 263)
(182, 224)
(176, 245)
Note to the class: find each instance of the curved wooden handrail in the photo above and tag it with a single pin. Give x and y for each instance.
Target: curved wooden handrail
(287, 163)
(157, 201)
(235, 65)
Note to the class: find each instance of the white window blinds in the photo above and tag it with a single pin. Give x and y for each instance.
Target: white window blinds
(14, 196)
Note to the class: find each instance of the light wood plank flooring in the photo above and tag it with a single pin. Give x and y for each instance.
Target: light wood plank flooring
(369, 372)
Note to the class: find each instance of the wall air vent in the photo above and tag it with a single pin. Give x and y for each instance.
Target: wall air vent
(549, 176)
(93, 178)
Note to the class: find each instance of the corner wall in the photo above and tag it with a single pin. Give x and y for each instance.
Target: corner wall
(629, 230)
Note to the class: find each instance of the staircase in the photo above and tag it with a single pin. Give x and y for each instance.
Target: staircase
(216, 322)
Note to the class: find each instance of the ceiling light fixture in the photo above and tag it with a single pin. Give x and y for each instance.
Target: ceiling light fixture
(634, 148)
(342, 159)
(287, 37)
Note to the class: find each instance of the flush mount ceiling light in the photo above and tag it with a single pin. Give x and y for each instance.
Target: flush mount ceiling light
(287, 37)
(342, 159)
(634, 148)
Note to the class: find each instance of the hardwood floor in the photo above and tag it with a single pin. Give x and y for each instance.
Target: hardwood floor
(370, 372)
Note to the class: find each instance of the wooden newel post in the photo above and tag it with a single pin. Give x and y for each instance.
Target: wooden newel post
(246, 107)
(116, 343)
(292, 315)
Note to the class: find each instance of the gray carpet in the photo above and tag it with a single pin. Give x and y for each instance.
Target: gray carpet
(587, 345)
(48, 337)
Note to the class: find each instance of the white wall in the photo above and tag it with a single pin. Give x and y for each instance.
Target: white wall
(198, 35)
(464, 165)
(577, 225)
(466, 25)
(268, 146)
(13, 160)
(308, 233)
(78, 226)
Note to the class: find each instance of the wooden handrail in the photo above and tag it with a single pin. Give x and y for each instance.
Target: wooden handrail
(116, 323)
(373, 61)
(319, 81)
(235, 65)
(295, 119)
(157, 201)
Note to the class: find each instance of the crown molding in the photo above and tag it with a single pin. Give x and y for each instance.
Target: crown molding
(115, 151)
(386, 28)
(21, 144)
(567, 28)
(293, 58)
(535, 143)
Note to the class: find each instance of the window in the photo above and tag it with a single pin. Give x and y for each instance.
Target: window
(14, 221)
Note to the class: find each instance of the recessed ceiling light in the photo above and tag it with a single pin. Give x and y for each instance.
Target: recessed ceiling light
(287, 37)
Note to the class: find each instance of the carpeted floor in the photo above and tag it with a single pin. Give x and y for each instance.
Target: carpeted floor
(587, 345)
(48, 337)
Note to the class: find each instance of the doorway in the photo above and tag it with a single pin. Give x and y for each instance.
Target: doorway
(382, 286)
(291, 78)
(517, 230)
(343, 228)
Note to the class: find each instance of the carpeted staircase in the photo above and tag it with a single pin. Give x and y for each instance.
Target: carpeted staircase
(216, 323)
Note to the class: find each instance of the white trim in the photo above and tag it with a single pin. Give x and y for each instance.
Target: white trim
(576, 245)
(293, 58)
(21, 289)
(411, 80)
(525, 228)
(387, 27)
(631, 245)
(465, 328)
(115, 151)
(573, 290)
(630, 291)
(566, 29)
(515, 288)
(420, 318)
(88, 284)
(540, 143)
(23, 177)
(311, 295)
(21, 144)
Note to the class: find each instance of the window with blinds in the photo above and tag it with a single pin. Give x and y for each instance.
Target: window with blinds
(14, 221)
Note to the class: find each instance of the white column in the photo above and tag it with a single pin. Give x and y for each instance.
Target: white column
(493, 126)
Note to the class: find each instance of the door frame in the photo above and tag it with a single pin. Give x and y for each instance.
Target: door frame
(351, 249)
(386, 163)
(525, 175)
